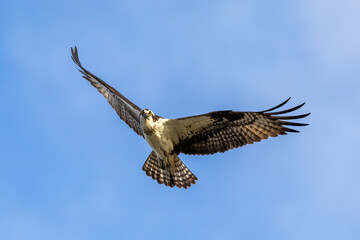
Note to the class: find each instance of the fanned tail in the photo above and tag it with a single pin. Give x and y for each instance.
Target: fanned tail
(176, 175)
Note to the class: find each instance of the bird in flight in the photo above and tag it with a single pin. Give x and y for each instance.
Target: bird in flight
(204, 134)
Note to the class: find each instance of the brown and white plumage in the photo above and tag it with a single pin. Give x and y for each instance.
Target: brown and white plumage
(127, 111)
(224, 130)
(181, 176)
(202, 134)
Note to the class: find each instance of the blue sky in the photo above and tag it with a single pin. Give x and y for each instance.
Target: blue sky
(71, 169)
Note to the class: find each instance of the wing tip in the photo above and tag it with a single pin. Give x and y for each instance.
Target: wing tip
(75, 57)
(278, 119)
(277, 106)
(267, 112)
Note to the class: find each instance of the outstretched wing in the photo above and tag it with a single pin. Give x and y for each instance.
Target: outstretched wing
(127, 111)
(224, 130)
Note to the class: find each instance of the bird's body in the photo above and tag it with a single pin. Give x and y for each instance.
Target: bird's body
(166, 167)
(157, 135)
(209, 133)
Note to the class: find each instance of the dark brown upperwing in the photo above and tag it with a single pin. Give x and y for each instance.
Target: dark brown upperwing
(225, 130)
(127, 111)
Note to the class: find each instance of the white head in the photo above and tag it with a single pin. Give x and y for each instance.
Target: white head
(146, 113)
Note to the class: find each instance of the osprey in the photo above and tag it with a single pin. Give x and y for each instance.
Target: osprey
(204, 134)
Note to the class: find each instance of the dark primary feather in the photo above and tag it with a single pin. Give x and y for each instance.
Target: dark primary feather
(224, 130)
(126, 110)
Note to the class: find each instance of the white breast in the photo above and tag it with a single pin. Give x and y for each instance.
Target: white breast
(158, 136)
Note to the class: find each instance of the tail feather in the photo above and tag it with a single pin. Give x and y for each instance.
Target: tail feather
(176, 175)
